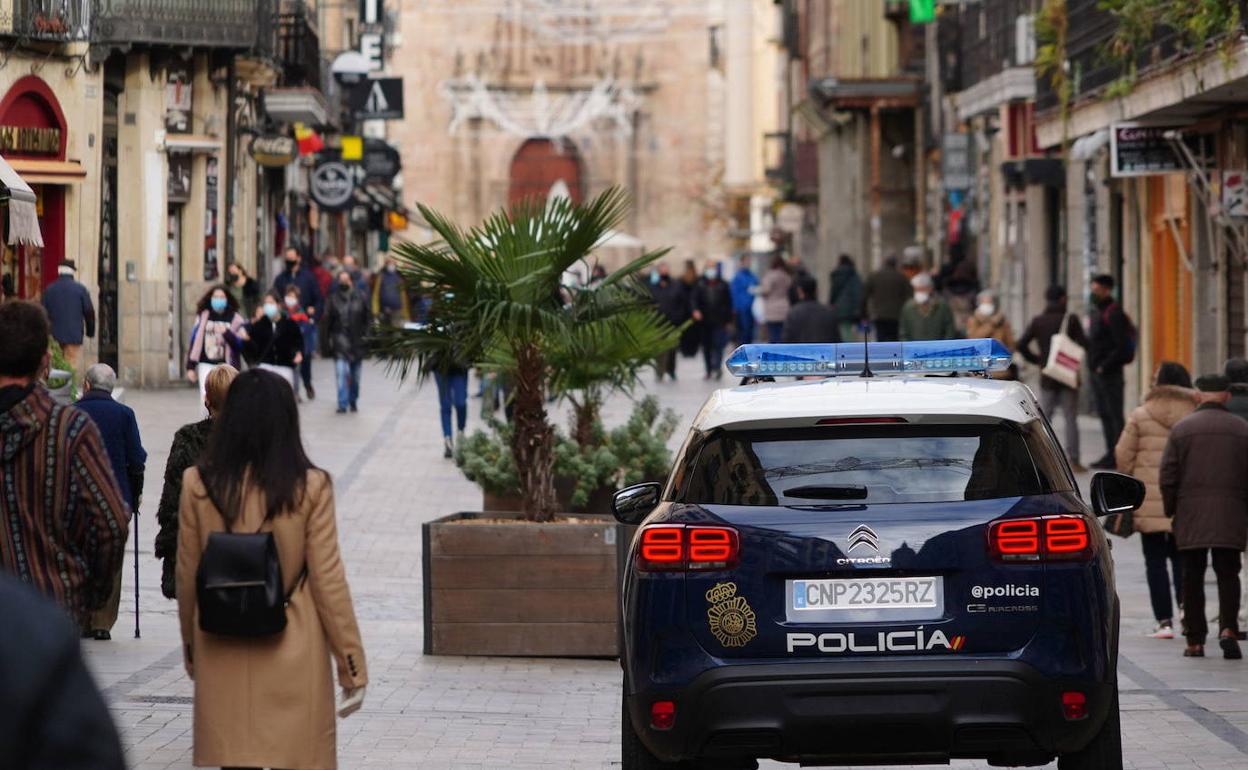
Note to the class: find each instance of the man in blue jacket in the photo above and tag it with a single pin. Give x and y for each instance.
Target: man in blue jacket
(120, 431)
(743, 286)
(69, 307)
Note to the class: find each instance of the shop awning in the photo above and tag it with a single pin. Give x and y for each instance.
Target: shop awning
(23, 220)
(49, 171)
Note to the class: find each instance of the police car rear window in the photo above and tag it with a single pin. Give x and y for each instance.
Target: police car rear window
(872, 464)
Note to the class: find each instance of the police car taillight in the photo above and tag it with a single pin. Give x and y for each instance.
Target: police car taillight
(1040, 538)
(674, 548)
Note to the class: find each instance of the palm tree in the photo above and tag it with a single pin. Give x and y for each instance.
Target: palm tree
(498, 303)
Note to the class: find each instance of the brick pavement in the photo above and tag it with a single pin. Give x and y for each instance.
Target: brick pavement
(440, 712)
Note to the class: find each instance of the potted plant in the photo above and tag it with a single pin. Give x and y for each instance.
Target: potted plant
(60, 382)
(526, 583)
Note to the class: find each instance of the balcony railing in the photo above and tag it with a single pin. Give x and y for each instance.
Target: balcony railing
(45, 20)
(206, 23)
(986, 55)
(298, 46)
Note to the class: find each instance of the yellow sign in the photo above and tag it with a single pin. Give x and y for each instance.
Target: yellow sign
(44, 141)
(729, 617)
(352, 148)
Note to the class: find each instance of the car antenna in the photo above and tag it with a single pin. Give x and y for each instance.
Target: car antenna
(866, 354)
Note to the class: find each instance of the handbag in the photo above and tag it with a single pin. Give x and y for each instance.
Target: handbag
(1120, 524)
(1065, 360)
(238, 585)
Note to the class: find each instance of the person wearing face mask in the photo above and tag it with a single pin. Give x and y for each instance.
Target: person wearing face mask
(243, 288)
(217, 338)
(743, 287)
(346, 324)
(926, 316)
(307, 328)
(275, 343)
(309, 295)
(712, 309)
(390, 302)
(988, 322)
(671, 302)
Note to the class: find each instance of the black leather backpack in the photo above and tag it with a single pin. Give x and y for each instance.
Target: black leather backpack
(239, 585)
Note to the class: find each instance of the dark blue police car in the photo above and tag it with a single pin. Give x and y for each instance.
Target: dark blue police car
(867, 570)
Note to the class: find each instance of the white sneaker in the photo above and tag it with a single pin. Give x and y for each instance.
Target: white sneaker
(1163, 631)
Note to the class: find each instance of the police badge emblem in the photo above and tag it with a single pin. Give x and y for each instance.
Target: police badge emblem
(729, 617)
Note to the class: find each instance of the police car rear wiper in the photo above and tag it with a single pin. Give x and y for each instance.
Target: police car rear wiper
(826, 492)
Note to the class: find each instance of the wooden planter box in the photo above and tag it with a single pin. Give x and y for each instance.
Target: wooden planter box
(505, 586)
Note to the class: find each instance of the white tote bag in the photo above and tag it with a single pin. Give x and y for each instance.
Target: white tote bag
(1065, 360)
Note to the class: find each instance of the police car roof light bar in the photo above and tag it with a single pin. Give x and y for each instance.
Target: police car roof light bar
(975, 356)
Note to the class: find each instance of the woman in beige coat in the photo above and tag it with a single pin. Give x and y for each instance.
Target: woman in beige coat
(1139, 453)
(268, 702)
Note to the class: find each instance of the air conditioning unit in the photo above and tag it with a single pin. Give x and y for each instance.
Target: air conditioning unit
(1024, 40)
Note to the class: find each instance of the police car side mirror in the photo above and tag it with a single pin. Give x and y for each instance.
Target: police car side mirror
(632, 504)
(1116, 493)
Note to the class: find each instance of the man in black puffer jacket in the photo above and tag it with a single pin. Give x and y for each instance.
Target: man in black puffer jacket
(346, 325)
(1111, 346)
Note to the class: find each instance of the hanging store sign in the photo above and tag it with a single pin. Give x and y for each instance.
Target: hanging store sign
(273, 150)
(1235, 193)
(1136, 150)
(955, 159)
(30, 141)
(378, 99)
(332, 185)
(381, 161)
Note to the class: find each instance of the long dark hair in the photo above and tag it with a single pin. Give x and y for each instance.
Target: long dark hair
(256, 441)
(1173, 373)
(205, 302)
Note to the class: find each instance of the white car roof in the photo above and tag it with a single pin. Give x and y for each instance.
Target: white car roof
(918, 399)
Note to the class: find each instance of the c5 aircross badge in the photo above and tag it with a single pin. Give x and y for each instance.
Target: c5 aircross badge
(729, 617)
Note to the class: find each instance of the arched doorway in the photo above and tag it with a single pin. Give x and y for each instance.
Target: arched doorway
(539, 165)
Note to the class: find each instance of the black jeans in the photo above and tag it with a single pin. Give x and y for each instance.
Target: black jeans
(1108, 389)
(1226, 568)
(887, 329)
(1158, 549)
(714, 338)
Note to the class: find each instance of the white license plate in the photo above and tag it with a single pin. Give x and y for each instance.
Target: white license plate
(865, 594)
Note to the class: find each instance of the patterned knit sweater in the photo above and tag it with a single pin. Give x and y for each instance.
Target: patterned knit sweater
(63, 523)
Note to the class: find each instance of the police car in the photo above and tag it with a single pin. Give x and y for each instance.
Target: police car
(870, 564)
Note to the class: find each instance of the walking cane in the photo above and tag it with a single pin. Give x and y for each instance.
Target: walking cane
(136, 575)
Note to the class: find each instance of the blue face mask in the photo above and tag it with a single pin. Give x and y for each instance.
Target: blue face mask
(218, 304)
(655, 277)
(270, 309)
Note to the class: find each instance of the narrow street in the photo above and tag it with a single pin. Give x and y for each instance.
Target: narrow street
(444, 712)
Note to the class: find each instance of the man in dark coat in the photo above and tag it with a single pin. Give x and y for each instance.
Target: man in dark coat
(1054, 394)
(712, 309)
(1204, 487)
(52, 714)
(346, 324)
(1110, 348)
(671, 301)
(883, 295)
(1237, 372)
(846, 297)
(120, 431)
(809, 320)
(69, 307)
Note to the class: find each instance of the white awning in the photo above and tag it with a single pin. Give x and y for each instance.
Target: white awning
(23, 220)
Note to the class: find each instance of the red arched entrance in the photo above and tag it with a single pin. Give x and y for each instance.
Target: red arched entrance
(541, 163)
(32, 127)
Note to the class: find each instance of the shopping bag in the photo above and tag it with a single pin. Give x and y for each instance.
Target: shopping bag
(1065, 360)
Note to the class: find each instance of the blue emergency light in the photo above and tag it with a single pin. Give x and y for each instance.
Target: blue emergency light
(841, 359)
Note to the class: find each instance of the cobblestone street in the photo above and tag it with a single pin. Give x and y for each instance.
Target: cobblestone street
(442, 712)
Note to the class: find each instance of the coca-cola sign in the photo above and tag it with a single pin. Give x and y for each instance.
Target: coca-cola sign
(273, 150)
(1137, 150)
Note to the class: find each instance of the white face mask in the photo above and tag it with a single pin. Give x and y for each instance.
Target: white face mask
(986, 308)
(922, 297)
(292, 302)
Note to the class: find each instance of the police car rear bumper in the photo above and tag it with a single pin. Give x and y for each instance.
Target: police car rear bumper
(858, 711)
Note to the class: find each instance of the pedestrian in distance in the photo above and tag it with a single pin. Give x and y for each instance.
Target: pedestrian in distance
(267, 700)
(1138, 453)
(712, 309)
(119, 430)
(1204, 487)
(774, 289)
(797, 271)
(294, 309)
(276, 341)
(186, 449)
(988, 322)
(52, 716)
(1054, 394)
(1236, 371)
(846, 297)
(389, 301)
(308, 299)
(687, 284)
(346, 325)
(358, 277)
(671, 302)
(72, 314)
(883, 295)
(451, 378)
(744, 286)
(218, 336)
(243, 288)
(7, 292)
(926, 316)
(1111, 347)
(958, 281)
(809, 320)
(63, 520)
